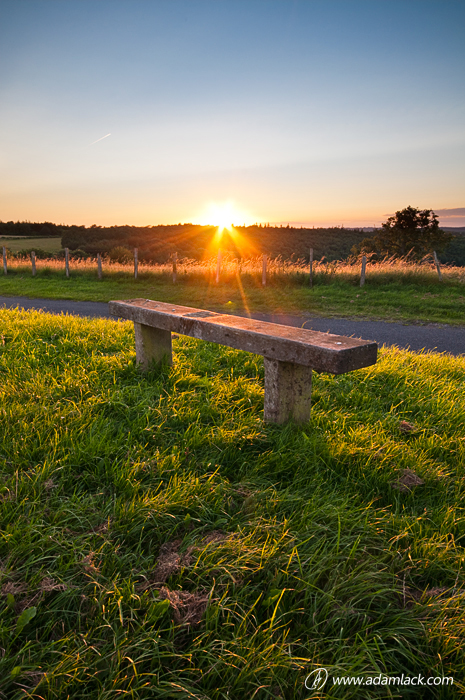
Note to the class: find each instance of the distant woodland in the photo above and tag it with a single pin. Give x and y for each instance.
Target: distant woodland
(157, 243)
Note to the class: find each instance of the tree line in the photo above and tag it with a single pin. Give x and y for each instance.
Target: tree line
(410, 231)
(157, 243)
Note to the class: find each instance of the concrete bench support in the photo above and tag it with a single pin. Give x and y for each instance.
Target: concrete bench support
(290, 354)
(288, 392)
(152, 345)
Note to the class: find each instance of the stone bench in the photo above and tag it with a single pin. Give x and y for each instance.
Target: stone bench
(290, 354)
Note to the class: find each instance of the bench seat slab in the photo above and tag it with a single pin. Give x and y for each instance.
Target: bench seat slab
(324, 352)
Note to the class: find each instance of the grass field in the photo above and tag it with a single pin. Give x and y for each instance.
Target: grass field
(158, 540)
(15, 244)
(394, 292)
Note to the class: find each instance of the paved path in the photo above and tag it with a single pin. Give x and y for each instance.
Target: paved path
(448, 339)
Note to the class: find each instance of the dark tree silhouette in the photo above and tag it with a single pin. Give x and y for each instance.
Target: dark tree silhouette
(410, 231)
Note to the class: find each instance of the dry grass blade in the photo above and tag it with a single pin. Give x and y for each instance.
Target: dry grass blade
(12, 588)
(49, 584)
(406, 427)
(188, 608)
(170, 561)
(214, 536)
(407, 481)
(89, 565)
(412, 596)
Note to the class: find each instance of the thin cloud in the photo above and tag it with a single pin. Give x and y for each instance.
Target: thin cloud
(446, 213)
(100, 139)
(450, 213)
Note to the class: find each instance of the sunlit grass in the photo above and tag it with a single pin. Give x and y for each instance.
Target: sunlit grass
(349, 270)
(16, 244)
(130, 501)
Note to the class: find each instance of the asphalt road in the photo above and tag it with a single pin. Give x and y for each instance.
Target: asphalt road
(439, 338)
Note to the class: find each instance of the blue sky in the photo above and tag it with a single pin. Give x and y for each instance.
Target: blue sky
(307, 111)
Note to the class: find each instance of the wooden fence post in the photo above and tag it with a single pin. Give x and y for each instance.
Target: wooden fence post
(264, 258)
(438, 268)
(364, 265)
(174, 258)
(5, 270)
(310, 281)
(67, 262)
(136, 263)
(33, 262)
(218, 266)
(99, 266)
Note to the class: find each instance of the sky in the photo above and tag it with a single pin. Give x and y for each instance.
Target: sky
(309, 112)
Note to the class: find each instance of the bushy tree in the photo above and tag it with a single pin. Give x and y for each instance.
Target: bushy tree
(410, 231)
(120, 254)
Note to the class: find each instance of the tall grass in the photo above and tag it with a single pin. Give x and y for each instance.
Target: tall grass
(158, 540)
(278, 269)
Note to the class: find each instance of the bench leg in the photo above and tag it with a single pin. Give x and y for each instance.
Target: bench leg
(152, 344)
(288, 392)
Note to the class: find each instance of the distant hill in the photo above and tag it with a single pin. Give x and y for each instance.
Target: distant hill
(157, 243)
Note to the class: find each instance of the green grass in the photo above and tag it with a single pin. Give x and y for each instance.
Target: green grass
(392, 297)
(49, 245)
(158, 540)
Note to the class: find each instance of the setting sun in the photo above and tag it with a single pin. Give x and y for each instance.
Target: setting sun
(223, 215)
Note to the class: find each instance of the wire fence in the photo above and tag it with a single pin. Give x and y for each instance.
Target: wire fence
(225, 267)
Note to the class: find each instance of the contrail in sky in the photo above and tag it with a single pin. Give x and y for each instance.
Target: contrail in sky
(100, 139)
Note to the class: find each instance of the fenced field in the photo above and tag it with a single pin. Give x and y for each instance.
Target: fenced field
(277, 269)
(18, 243)
(394, 290)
